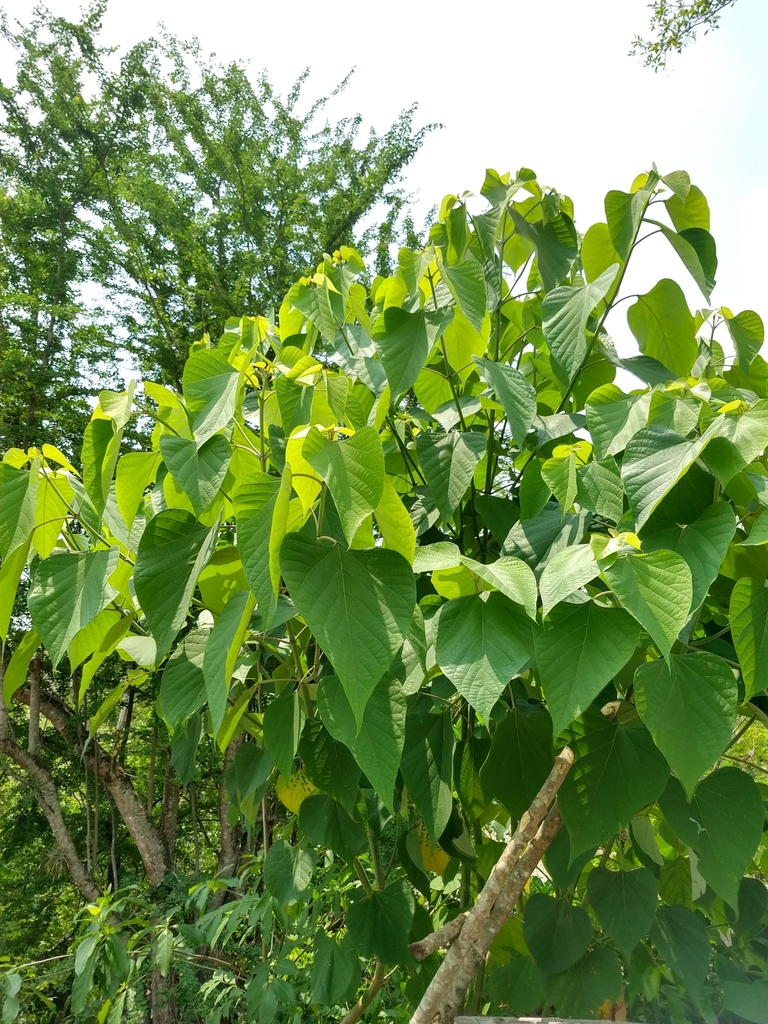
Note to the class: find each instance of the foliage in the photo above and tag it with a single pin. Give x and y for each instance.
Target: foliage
(144, 201)
(674, 24)
(382, 559)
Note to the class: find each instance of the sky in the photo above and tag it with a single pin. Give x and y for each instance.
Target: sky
(547, 85)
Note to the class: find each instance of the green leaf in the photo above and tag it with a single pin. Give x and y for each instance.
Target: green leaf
(358, 604)
(283, 722)
(354, 472)
(614, 417)
(325, 823)
(173, 549)
(101, 447)
(600, 489)
(394, 523)
(511, 577)
(664, 328)
(449, 462)
(182, 687)
(723, 824)
(582, 989)
(379, 924)
(221, 653)
(515, 392)
(617, 772)
(749, 631)
(378, 746)
(481, 644)
(210, 387)
(688, 703)
(567, 571)
(16, 669)
(467, 285)
(564, 315)
(656, 589)
(703, 543)
(404, 341)
(579, 655)
(696, 248)
(748, 1002)
(135, 472)
(625, 904)
(261, 506)
(556, 932)
(518, 986)
(334, 969)
(758, 533)
(66, 592)
(328, 764)
(680, 936)
(519, 760)
(183, 745)
(18, 497)
(10, 574)
(288, 871)
(559, 475)
(555, 243)
(598, 252)
(624, 214)
(691, 212)
(748, 334)
(199, 472)
(426, 765)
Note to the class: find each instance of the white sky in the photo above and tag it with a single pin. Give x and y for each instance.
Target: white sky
(545, 84)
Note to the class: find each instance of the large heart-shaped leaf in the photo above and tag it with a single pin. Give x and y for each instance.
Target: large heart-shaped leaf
(427, 767)
(749, 629)
(354, 472)
(378, 746)
(515, 392)
(656, 589)
(449, 462)
(379, 924)
(173, 549)
(556, 932)
(617, 772)
(625, 904)
(66, 592)
(723, 824)
(404, 341)
(564, 315)
(664, 327)
(579, 655)
(199, 472)
(358, 604)
(689, 705)
(482, 642)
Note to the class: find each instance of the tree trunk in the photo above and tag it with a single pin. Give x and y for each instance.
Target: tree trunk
(163, 1006)
(115, 780)
(169, 812)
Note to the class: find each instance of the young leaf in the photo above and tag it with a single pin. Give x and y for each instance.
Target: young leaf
(358, 604)
(567, 571)
(579, 655)
(18, 497)
(689, 705)
(394, 523)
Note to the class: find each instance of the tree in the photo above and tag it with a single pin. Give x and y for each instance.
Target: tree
(674, 24)
(145, 203)
(432, 602)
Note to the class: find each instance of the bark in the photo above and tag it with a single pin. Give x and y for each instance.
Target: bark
(44, 789)
(115, 780)
(444, 996)
(231, 835)
(163, 999)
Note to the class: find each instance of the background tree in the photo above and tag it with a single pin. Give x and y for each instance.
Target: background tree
(145, 200)
(674, 24)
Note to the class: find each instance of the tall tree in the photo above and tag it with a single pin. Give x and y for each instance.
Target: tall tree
(674, 24)
(145, 200)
